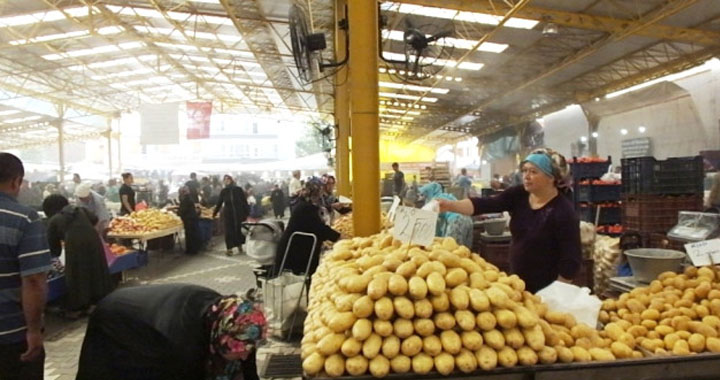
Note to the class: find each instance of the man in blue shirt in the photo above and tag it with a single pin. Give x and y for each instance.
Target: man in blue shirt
(24, 263)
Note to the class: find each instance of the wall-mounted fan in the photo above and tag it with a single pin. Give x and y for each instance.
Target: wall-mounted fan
(308, 46)
(418, 51)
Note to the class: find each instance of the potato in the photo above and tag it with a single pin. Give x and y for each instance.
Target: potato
(459, 298)
(433, 266)
(392, 263)
(652, 344)
(670, 340)
(313, 364)
(435, 283)
(584, 343)
(478, 300)
(362, 329)
(701, 328)
(555, 317)
(580, 354)
(444, 363)
(712, 344)
(404, 307)
(498, 298)
(377, 288)
(472, 340)
(391, 347)
(351, 347)
(423, 308)
(455, 277)
(526, 356)
(664, 330)
(422, 364)
(424, 326)
(525, 317)
(400, 364)
(444, 321)
(356, 365)
(440, 302)
(466, 361)
(345, 302)
(371, 346)
(451, 342)
(397, 285)
(696, 343)
(465, 320)
(601, 354)
(534, 337)
(494, 339)
(681, 348)
(363, 307)
(335, 365)
(403, 328)
(355, 283)
(418, 288)
(621, 350)
(432, 345)
(330, 344)
(514, 338)
(384, 308)
(712, 321)
(505, 318)
(564, 354)
(547, 355)
(478, 281)
(486, 321)
(382, 328)
(684, 335)
(379, 366)
(411, 346)
(406, 269)
(507, 357)
(637, 331)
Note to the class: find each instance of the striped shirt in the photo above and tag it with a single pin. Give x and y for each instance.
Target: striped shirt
(23, 252)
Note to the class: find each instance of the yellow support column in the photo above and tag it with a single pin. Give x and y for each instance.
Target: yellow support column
(363, 80)
(342, 107)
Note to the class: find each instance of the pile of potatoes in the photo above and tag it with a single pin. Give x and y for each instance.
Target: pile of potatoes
(676, 314)
(344, 225)
(380, 306)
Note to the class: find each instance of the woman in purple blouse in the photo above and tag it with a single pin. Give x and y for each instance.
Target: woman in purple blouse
(545, 229)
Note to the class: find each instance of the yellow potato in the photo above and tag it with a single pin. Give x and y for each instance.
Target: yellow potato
(424, 327)
(472, 340)
(400, 364)
(534, 337)
(444, 321)
(505, 318)
(600, 354)
(478, 281)
(384, 308)
(345, 302)
(403, 328)
(486, 358)
(418, 288)
(382, 328)
(525, 317)
(696, 343)
(307, 349)
(363, 307)
(330, 344)
(478, 300)
(362, 329)
(494, 339)
(341, 322)
(580, 354)
(432, 345)
(451, 342)
(712, 321)
(423, 308)
(681, 348)
(465, 320)
(670, 340)
(404, 307)
(444, 363)
(455, 277)
(351, 347)
(411, 346)
(621, 350)
(379, 366)
(526, 356)
(555, 317)
(440, 302)
(335, 365)
(547, 355)
(507, 357)
(459, 298)
(422, 364)
(430, 267)
(514, 338)
(377, 288)
(498, 298)
(391, 347)
(435, 283)
(564, 354)
(466, 361)
(397, 285)
(486, 321)
(356, 365)
(313, 364)
(406, 269)
(584, 343)
(701, 328)
(371, 346)
(712, 344)
(355, 283)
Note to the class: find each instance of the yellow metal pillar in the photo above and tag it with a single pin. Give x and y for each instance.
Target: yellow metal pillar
(342, 107)
(363, 81)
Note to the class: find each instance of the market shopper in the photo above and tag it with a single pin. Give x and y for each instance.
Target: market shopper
(194, 186)
(127, 195)
(277, 198)
(24, 263)
(545, 229)
(305, 217)
(190, 216)
(86, 271)
(399, 186)
(112, 191)
(235, 213)
(464, 182)
(294, 188)
(96, 204)
(450, 224)
(172, 331)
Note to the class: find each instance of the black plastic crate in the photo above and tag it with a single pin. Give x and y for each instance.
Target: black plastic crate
(646, 175)
(583, 193)
(606, 193)
(581, 170)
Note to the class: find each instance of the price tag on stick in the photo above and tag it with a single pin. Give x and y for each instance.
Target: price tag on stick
(704, 252)
(414, 226)
(393, 208)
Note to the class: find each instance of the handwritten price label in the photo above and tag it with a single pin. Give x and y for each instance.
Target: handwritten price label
(702, 252)
(414, 226)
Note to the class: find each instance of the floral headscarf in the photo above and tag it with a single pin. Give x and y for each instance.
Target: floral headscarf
(313, 190)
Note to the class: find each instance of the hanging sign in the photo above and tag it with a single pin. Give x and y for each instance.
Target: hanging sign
(415, 226)
(704, 252)
(638, 147)
(198, 119)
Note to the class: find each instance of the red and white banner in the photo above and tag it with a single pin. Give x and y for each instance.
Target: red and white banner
(198, 124)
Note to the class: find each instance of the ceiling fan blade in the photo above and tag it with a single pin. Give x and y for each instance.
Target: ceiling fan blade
(443, 34)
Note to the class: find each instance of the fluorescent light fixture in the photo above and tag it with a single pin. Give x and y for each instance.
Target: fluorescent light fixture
(9, 112)
(47, 16)
(177, 16)
(711, 64)
(641, 129)
(174, 33)
(407, 97)
(476, 17)
(408, 118)
(595, 135)
(96, 50)
(623, 131)
(22, 119)
(460, 43)
(114, 62)
(412, 87)
(434, 62)
(395, 110)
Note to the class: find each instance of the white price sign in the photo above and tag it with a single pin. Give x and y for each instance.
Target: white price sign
(414, 226)
(393, 208)
(701, 252)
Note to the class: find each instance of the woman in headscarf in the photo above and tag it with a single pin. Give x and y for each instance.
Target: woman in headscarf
(545, 244)
(450, 224)
(86, 270)
(235, 213)
(305, 217)
(172, 331)
(190, 217)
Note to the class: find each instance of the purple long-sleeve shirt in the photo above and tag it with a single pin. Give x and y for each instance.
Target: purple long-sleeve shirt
(545, 242)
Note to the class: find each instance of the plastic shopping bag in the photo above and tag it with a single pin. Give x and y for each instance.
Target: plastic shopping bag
(281, 296)
(569, 298)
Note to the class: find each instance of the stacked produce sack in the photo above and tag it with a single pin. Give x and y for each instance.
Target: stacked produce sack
(380, 306)
(606, 256)
(676, 314)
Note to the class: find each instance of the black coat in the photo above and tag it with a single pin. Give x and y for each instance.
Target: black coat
(236, 212)
(278, 200)
(305, 217)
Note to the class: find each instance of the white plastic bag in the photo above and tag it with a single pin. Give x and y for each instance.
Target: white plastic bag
(433, 206)
(569, 298)
(281, 296)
